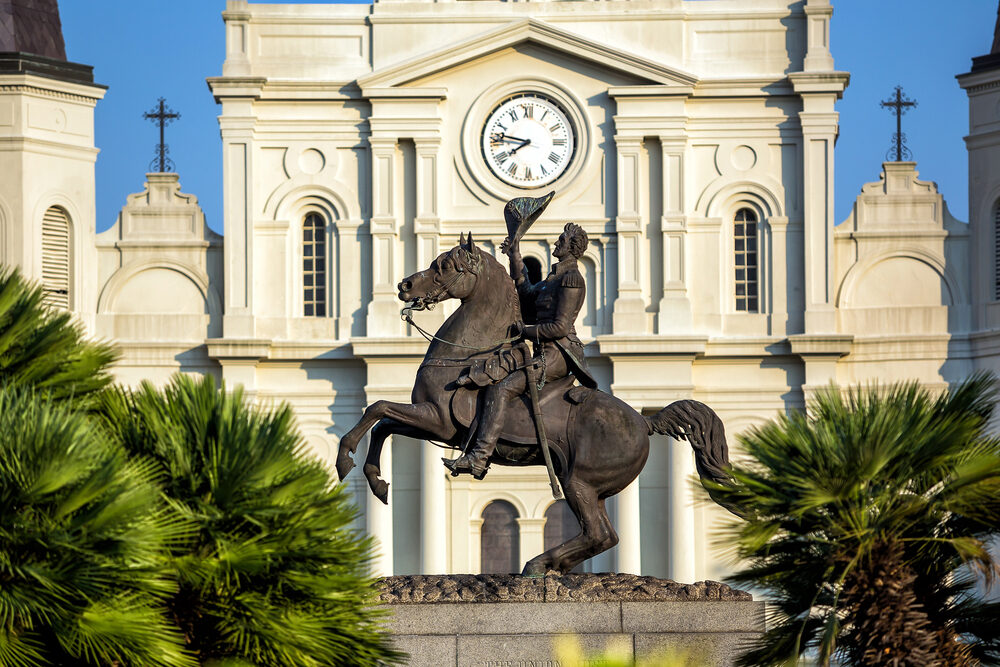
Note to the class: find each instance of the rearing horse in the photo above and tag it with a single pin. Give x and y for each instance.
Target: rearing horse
(599, 443)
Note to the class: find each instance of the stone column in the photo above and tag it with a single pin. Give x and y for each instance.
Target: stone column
(433, 517)
(675, 306)
(475, 546)
(629, 308)
(629, 558)
(532, 538)
(378, 520)
(681, 559)
(383, 311)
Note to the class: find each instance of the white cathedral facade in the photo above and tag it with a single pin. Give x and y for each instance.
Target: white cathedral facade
(696, 147)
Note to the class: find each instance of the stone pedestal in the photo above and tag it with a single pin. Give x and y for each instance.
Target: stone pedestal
(513, 621)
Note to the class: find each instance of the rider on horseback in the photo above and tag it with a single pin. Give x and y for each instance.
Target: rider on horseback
(556, 302)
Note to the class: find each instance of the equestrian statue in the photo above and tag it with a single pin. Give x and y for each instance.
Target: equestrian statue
(505, 382)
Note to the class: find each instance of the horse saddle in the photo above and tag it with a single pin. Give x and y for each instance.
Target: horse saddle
(556, 398)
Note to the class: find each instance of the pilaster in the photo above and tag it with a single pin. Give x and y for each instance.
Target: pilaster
(348, 270)
(383, 311)
(427, 225)
(818, 15)
(629, 311)
(675, 305)
(819, 124)
(778, 226)
(237, 195)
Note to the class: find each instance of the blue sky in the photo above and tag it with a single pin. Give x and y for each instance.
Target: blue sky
(144, 49)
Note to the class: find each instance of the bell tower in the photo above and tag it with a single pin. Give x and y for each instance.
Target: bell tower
(982, 85)
(47, 155)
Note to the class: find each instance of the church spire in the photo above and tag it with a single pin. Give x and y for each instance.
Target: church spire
(31, 42)
(991, 60)
(996, 34)
(32, 27)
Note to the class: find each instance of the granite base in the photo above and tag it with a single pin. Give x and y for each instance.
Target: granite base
(512, 621)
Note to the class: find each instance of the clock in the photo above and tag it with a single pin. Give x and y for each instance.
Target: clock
(528, 140)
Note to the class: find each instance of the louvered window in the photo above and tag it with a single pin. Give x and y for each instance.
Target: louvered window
(745, 247)
(996, 252)
(55, 257)
(314, 266)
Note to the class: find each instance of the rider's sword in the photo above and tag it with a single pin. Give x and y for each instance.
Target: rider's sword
(536, 410)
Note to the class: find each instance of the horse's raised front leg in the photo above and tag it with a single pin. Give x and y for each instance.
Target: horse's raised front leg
(425, 416)
(382, 430)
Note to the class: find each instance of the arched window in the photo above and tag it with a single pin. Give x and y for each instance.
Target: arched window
(534, 268)
(314, 266)
(501, 540)
(560, 526)
(55, 257)
(996, 252)
(745, 253)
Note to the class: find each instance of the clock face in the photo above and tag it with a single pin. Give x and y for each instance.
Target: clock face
(528, 141)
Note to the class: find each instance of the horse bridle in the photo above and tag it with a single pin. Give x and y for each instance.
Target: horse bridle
(432, 298)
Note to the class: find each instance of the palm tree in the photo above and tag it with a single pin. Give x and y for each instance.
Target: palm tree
(273, 576)
(43, 347)
(866, 521)
(83, 534)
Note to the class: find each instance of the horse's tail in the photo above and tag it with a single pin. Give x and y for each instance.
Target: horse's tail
(698, 424)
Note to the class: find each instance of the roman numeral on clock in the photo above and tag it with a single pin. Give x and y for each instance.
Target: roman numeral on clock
(558, 142)
(512, 168)
(527, 172)
(501, 157)
(529, 111)
(554, 157)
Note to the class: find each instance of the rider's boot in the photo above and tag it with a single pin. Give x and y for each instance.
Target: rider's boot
(477, 460)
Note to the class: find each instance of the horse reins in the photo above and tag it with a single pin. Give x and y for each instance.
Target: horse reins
(428, 302)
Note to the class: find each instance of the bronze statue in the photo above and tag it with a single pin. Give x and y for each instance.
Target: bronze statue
(592, 442)
(555, 303)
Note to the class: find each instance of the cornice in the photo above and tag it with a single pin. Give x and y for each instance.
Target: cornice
(34, 89)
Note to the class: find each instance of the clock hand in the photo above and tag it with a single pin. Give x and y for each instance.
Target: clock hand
(524, 143)
(500, 136)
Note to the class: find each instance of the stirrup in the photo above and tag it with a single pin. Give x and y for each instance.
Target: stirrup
(459, 466)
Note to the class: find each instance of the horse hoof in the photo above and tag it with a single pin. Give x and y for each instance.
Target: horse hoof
(345, 464)
(533, 569)
(381, 491)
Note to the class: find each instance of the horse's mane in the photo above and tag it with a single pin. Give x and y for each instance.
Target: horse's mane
(479, 261)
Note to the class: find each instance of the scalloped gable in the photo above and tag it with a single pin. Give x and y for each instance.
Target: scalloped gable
(519, 32)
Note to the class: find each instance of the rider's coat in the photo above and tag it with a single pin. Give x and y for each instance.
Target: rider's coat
(556, 302)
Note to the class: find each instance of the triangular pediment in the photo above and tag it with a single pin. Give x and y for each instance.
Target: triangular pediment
(514, 34)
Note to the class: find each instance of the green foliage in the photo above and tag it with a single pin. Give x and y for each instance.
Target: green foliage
(82, 538)
(866, 523)
(44, 348)
(274, 575)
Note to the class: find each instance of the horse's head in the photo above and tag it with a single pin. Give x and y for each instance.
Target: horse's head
(452, 275)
